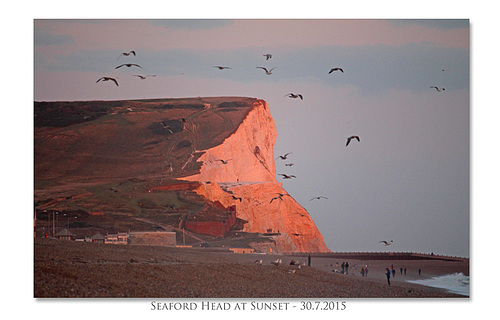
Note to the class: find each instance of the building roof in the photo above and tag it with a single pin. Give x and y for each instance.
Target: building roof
(65, 232)
(98, 236)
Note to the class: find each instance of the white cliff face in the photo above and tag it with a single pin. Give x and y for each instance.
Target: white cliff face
(245, 156)
(247, 171)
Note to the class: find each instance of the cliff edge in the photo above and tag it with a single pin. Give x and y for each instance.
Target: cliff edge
(131, 157)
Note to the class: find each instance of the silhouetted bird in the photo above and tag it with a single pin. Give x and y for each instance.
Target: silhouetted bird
(317, 198)
(268, 56)
(280, 197)
(294, 96)
(285, 176)
(336, 69)
(107, 79)
(289, 164)
(386, 243)
(128, 65)
(144, 77)
(284, 157)
(296, 234)
(350, 138)
(126, 54)
(268, 72)
(437, 89)
(224, 161)
(236, 198)
(221, 67)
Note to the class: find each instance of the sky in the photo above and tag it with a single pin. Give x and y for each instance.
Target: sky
(406, 180)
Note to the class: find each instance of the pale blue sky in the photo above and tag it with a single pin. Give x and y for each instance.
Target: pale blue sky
(408, 178)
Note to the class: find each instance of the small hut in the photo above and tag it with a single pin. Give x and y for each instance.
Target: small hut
(65, 234)
(98, 238)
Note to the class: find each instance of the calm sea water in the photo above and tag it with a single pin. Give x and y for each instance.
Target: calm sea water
(455, 283)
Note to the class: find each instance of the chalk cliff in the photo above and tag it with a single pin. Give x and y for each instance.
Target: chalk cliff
(247, 172)
(129, 157)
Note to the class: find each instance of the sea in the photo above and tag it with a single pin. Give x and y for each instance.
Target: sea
(455, 283)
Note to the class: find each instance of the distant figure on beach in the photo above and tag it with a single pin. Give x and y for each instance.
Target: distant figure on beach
(405, 271)
(343, 267)
(393, 273)
(309, 260)
(419, 270)
(366, 270)
(401, 270)
(347, 268)
(388, 274)
(363, 272)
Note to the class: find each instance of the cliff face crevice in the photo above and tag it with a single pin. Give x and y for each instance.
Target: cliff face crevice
(241, 172)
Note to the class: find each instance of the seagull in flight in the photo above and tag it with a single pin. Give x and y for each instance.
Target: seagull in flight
(126, 54)
(221, 67)
(294, 96)
(268, 72)
(108, 79)
(437, 89)
(268, 56)
(224, 161)
(128, 65)
(350, 138)
(144, 77)
(280, 197)
(288, 164)
(387, 243)
(236, 198)
(317, 198)
(285, 176)
(165, 126)
(336, 69)
(284, 157)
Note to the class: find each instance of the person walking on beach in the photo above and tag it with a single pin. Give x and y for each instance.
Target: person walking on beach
(393, 273)
(388, 274)
(309, 260)
(347, 268)
(343, 266)
(366, 270)
(362, 272)
(419, 270)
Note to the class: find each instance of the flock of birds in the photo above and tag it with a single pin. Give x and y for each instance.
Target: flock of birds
(267, 71)
(128, 65)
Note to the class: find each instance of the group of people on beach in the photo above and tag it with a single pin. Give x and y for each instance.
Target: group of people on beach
(393, 271)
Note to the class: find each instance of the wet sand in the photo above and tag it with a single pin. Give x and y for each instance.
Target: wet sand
(76, 269)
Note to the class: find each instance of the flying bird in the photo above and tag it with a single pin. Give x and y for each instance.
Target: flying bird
(224, 161)
(268, 72)
(289, 164)
(221, 67)
(144, 77)
(317, 198)
(437, 89)
(165, 126)
(386, 243)
(336, 69)
(128, 65)
(126, 54)
(108, 79)
(284, 157)
(268, 56)
(285, 176)
(280, 197)
(236, 198)
(294, 96)
(350, 138)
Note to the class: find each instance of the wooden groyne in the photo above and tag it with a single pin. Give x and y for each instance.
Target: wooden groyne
(381, 256)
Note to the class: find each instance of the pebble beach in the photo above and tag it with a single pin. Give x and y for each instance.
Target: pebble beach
(69, 269)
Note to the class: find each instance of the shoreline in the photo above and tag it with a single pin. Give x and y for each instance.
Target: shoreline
(77, 270)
